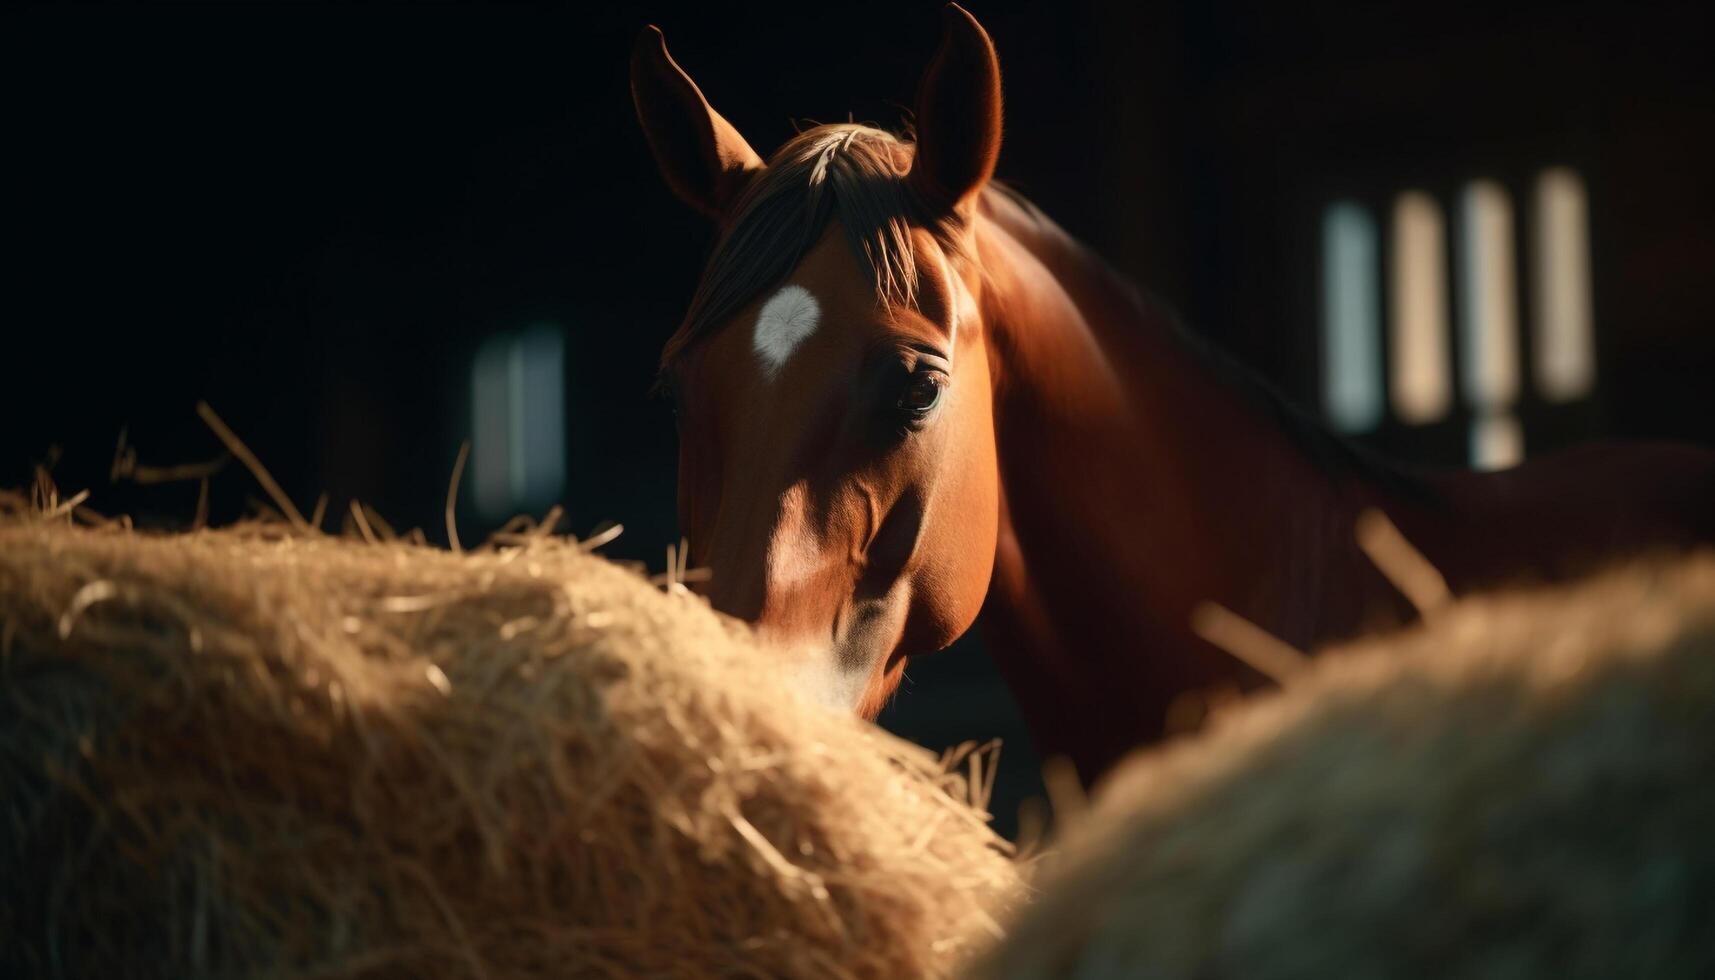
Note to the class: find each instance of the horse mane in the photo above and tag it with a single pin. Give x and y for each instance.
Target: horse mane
(851, 173)
(1329, 450)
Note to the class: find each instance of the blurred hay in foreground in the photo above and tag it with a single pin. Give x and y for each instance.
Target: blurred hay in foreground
(1522, 787)
(267, 752)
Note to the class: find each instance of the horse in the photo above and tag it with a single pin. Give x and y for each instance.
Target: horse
(909, 401)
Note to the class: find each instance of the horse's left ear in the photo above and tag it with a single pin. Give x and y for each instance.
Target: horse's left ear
(703, 158)
(958, 115)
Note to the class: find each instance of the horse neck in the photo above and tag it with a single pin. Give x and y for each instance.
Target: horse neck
(1137, 482)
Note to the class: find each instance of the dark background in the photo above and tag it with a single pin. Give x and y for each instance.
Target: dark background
(312, 217)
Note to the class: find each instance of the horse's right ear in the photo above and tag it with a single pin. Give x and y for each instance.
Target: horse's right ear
(958, 114)
(704, 159)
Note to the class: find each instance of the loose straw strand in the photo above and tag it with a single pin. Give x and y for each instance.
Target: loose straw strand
(453, 496)
(1403, 565)
(362, 522)
(1066, 796)
(248, 458)
(1247, 642)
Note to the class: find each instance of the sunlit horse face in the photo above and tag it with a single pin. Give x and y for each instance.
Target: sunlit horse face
(837, 455)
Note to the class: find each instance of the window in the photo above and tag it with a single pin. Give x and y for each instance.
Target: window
(1418, 310)
(518, 405)
(1351, 313)
(1488, 324)
(1565, 366)
(1420, 382)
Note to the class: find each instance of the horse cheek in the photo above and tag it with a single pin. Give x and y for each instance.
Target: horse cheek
(958, 550)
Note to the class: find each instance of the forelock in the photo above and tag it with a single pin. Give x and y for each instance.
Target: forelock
(850, 173)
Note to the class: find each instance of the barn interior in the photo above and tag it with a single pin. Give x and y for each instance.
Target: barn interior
(366, 234)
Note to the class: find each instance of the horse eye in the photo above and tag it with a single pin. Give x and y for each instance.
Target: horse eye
(922, 392)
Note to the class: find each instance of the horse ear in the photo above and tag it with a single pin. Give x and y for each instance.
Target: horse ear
(958, 114)
(703, 158)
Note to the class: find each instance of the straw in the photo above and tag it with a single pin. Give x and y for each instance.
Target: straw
(258, 752)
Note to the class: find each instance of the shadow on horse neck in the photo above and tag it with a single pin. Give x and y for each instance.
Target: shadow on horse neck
(1142, 474)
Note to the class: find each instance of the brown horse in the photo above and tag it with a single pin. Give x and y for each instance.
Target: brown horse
(907, 397)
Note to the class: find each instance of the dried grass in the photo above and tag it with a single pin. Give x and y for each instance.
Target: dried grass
(265, 752)
(1522, 787)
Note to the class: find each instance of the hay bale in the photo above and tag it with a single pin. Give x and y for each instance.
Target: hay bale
(1523, 788)
(240, 754)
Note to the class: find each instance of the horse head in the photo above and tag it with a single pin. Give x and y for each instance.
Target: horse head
(837, 466)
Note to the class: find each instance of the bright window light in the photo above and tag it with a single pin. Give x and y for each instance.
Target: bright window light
(1497, 441)
(518, 409)
(1422, 387)
(1351, 319)
(1488, 313)
(1565, 361)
